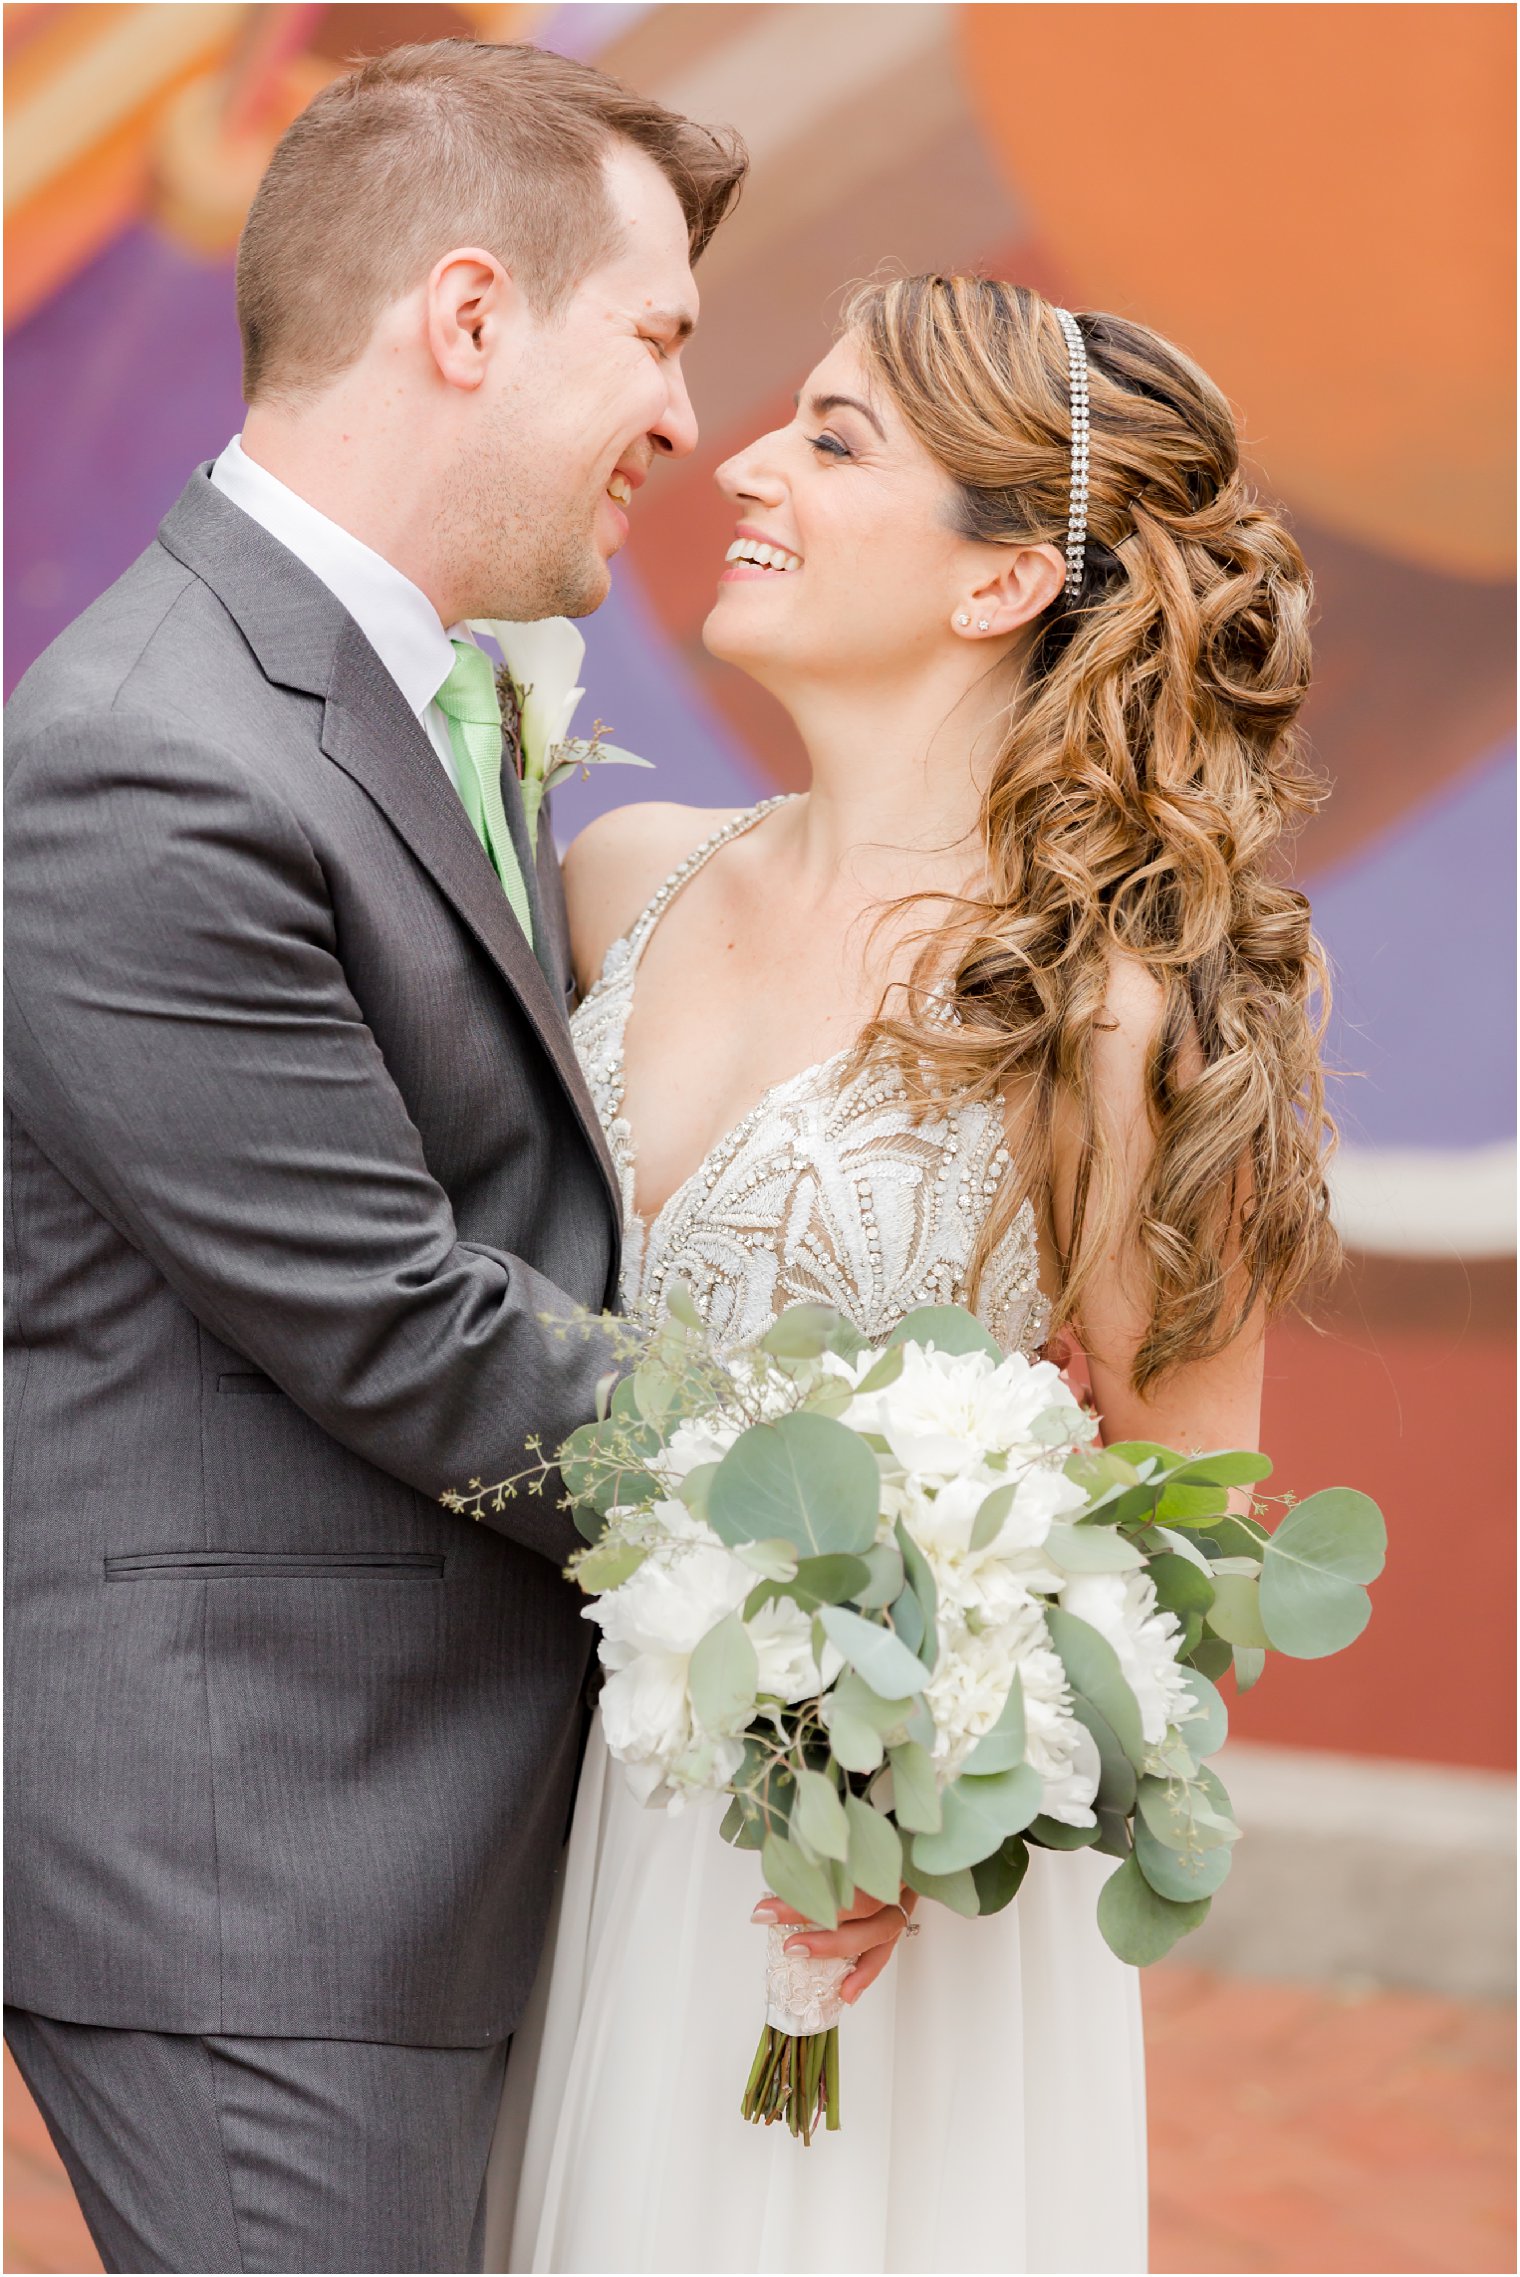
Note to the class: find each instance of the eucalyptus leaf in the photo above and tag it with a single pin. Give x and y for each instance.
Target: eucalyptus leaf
(818, 1815)
(805, 1478)
(874, 1653)
(921, 1581)
(957, 1891)
(1113, 1833)
(976, 1815)
(695, 1488)
(1092, 1667)
(1180, 1545)
(764, 1787)
(1089, 1549)
(1180, 1587)
(681, 1304)
(804, 1331)
(885, 1372)
(1116, 1783)
(917, 1802)
(827, 1581)
(949, 1328)
(588, 1521)
(1180, 1814)
(776, 1560)
(1250, 1660)
(885, 1577)
(856, 1697)
(1211, 1657)
(919, 1724)
(854, 1744)
(1182, 1505)
(998, 1878)
(722, 1677)
(1002, 1745)
(610, 1563)
(1232, 1466)
(806, 1888)
(1313, 1601)
(1206, 1729)
(1055, 1834)
(733, 1821)
(1235, 1613)
(907, 1617)
(990, 1518)
(1139, 1925)
(875, 1851)
(1146, 1457)
(1180, 1875)
(1231, 1536)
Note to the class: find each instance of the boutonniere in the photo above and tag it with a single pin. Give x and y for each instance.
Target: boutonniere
(536, 682)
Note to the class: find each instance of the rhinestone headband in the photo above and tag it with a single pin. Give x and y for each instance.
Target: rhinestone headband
(1076, 513)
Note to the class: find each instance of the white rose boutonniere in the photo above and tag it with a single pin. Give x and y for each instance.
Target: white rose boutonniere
(539, 693)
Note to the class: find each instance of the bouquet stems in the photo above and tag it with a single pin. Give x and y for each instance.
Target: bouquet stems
(794, 2077)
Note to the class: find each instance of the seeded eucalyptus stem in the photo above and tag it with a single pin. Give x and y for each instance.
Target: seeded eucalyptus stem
(794, 2078)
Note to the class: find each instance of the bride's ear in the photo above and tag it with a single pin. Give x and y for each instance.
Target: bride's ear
(469, 302)
(1024, 582)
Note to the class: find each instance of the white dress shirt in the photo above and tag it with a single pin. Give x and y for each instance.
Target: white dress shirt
(395, 616)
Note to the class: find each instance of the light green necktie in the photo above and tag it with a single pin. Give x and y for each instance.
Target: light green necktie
(468, 702)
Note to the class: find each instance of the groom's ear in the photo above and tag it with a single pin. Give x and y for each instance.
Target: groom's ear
(470, 305)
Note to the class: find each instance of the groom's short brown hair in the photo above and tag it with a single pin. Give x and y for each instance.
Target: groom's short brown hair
(452, 143)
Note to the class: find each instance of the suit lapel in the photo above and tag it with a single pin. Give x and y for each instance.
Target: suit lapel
(304, 638)
(371, 733)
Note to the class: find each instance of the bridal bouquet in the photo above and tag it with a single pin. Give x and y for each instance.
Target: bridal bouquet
(898, 1607)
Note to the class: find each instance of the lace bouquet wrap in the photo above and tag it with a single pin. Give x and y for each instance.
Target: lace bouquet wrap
(900, 1610)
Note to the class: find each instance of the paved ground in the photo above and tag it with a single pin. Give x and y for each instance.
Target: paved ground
(1293, 2127)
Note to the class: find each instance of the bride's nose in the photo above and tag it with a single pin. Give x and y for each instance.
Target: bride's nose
(752, 475)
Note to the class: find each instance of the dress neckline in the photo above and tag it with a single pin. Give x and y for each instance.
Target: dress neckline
(622, 969)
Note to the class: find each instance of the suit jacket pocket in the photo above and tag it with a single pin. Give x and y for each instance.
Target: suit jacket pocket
(257, 1565)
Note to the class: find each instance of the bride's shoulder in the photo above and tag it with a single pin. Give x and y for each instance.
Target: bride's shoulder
(617, 865)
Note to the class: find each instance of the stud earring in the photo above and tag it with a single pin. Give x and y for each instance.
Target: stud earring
(983, 624)
(963, 618)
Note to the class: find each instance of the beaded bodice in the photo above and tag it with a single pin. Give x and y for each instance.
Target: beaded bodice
(827, 1192)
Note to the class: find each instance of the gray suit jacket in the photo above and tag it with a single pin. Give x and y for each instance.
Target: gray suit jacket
(300, 1165)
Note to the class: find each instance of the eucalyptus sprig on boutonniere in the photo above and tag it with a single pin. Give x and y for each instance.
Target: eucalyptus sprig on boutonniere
(537, 683)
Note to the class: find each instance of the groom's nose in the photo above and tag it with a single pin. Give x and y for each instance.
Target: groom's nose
(675, 432)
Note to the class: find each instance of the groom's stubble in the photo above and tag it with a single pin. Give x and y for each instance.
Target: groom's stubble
(520, 530)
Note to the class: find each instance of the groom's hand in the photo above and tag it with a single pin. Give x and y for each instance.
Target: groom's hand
(867, 1934)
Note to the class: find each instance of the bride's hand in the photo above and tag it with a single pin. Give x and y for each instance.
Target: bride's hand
(867, 1934)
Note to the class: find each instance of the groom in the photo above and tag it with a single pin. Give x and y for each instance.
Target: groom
(301, 1172)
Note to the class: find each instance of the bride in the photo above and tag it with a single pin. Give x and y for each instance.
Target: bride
(1005, 1008)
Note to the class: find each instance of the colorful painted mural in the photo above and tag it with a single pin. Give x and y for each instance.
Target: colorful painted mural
(1316, 202)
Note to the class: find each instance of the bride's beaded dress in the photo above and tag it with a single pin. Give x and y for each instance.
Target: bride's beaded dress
(993, 2082)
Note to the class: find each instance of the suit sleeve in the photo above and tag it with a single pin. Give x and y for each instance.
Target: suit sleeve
(182, 1042)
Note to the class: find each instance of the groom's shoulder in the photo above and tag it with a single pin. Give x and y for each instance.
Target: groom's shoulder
(130, 651)
(617, 865)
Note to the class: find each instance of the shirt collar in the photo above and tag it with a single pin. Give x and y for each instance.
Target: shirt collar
(395, 616)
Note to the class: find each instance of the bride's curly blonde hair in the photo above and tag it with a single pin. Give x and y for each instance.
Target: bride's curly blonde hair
(1150, 766)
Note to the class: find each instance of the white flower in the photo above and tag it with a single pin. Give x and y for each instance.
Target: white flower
(696, 1440)
(1065, 1754)
(948, 1411)
(969, 1689)
(543, 658)
(651, 1625)
(1122, 1607)
(995, 1580)
(682, 1589)
(782, 1635)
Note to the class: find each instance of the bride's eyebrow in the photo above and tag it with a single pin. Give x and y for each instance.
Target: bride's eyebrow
(821, 405)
